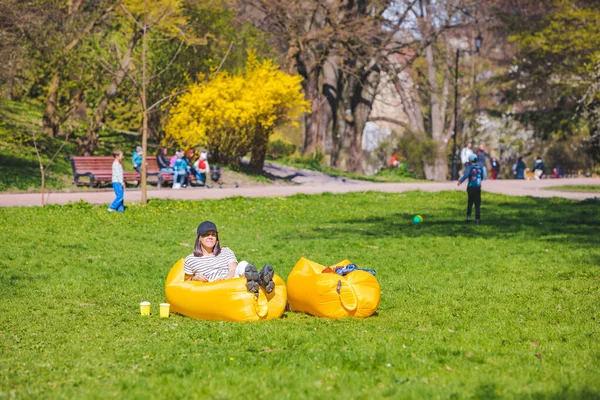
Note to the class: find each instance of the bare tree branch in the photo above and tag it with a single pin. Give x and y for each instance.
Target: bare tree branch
(167, 98)
(223, 60)
(131, 16)
(169, 64)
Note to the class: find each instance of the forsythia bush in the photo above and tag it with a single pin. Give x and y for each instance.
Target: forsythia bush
(232, 115)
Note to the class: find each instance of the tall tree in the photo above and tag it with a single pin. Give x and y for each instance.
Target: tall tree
(425, 89)
(556, 62)
(74, 21)
(337, 47)
(162, 18)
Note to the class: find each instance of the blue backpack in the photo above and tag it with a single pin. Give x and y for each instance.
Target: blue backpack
(476, 176)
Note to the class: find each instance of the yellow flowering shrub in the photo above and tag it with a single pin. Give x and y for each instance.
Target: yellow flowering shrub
(166, 14)
(233, 115)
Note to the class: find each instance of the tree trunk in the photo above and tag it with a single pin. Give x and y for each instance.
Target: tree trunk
(343, 121)
(338, 129)
(50, 119)
(328, 101)
(362, 103)
(77, 105)
(405, 88)
(438, 170)
(313, 120)
(10, 79)
(259, 150)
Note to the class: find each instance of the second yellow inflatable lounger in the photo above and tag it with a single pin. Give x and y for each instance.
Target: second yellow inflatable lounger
(331, 295)
(226, 300)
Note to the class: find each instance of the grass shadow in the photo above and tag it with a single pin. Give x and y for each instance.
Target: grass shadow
(549, 220)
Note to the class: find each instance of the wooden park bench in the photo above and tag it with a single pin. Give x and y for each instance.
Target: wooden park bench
(152, 168)
(97, 169)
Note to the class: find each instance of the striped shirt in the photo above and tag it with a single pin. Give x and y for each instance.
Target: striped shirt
(209, 266)
(117, 172)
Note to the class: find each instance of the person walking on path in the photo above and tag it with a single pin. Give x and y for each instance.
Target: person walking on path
(539, 169)
(474, 173)
(465, 153)
(495, 168)
(117, 182)
(481, 156)
(519, 169)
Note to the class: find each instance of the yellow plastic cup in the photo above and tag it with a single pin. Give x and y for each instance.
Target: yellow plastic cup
(164, 310)
(145, 308)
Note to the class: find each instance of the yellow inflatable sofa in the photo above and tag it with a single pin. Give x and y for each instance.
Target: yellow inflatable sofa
(226, 300)
(331, 295)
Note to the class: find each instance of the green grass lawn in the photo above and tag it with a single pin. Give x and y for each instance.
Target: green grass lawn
(576, 188)
(509, 308)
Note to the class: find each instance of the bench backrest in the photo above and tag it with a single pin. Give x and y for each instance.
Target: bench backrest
(152, 164)
(92, 163)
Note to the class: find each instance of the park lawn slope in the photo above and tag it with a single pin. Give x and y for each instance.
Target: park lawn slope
(20, 124)
(505, 309)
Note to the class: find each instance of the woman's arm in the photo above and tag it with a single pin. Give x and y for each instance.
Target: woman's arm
(199, 278)
(232, 266)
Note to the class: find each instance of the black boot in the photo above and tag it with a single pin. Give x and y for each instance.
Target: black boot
(265, 278)
(251, 274)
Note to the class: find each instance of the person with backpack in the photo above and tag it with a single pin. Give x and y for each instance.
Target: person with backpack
(474, 174)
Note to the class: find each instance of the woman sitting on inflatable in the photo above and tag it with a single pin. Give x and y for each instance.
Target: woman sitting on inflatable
(210, 262)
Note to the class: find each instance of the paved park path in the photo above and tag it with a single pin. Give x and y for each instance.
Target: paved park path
(307, 182)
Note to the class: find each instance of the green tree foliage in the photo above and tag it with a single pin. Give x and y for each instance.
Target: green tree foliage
(278, 149)
(558, 55)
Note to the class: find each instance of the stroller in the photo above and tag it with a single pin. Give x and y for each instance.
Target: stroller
(215, 174)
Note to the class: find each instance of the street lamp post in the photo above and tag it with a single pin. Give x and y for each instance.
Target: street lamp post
(478, 42)
(454, 171)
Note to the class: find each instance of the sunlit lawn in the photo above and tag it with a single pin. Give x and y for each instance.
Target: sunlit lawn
(576, 188)
(509, 308)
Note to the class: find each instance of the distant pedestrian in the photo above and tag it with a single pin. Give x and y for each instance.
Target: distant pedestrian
(136, 159)
(474, 173)
(117, 182)
(495, 168)
(539, 169)
(557, 171)
(519, 169)
(481, 156)
(465, 153)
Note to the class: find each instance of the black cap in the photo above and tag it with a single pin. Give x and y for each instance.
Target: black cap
(206, 226)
